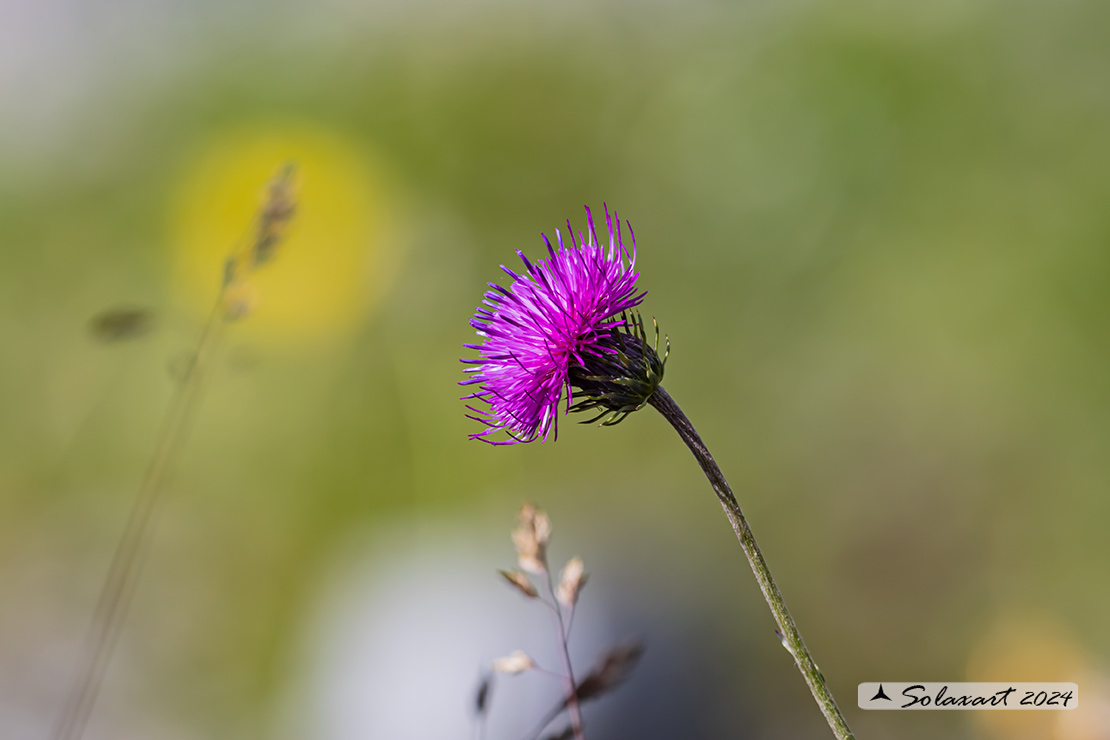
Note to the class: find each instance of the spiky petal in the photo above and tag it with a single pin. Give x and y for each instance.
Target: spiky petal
(555, 316)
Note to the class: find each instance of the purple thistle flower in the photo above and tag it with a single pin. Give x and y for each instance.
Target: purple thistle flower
(554, 327)
(569, 322)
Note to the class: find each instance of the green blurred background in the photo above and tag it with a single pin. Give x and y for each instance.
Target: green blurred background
(877, 235)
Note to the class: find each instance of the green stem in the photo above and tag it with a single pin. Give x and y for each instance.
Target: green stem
(665, 405)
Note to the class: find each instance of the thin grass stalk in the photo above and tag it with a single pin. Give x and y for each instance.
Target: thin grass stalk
(119, 586)
(573, 707)
(118, 590)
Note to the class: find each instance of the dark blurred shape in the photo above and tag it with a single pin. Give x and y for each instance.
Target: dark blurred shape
(121, 324)
(613, 670)
(482, 695)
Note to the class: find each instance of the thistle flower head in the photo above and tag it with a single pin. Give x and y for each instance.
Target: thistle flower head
(558, 326)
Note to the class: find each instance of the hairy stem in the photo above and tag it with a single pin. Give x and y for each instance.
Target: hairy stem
(663, 403)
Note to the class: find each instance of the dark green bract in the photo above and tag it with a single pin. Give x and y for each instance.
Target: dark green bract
(620, 381)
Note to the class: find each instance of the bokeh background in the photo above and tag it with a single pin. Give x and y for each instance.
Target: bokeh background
(877, 234)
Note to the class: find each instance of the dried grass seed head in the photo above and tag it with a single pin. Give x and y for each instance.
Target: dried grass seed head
(520, 582)
(530, 539)
(571, 581)
(515, 662)
(239, 296)
(275, 215)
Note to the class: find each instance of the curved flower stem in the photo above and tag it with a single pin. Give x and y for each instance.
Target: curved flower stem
(665, 405)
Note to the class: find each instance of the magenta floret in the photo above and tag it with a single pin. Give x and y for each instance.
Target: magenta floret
(550, 319)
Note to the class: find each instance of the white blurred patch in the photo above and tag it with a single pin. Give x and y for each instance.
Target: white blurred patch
(405, 626)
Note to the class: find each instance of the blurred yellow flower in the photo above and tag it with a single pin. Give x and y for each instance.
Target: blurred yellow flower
(337, 257)
(1025, 647)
